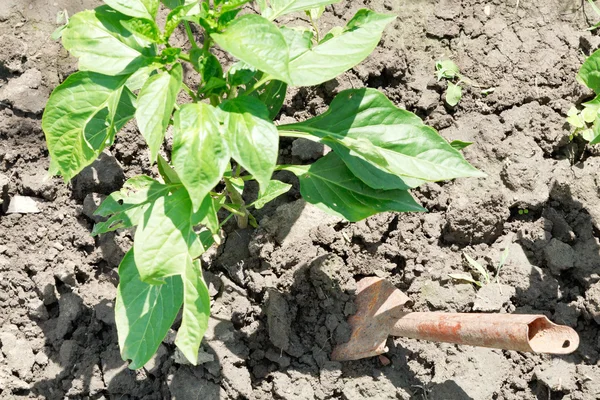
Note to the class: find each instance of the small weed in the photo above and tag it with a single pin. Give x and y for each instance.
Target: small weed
(523, 211)
(485, 278)
(448, 70)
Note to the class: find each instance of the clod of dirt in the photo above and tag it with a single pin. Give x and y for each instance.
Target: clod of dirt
(12, 51)
(592, 295)
(560, 376)
(26, 92)
(456, 297)
(493, 297)
(18, 354)
(105, 175)
(278, 320)
(4, 182)
(590, 375)
(39, 184)
(559, 256)
(22, 205)
(473, 221)
(307, 150)
(184, 385)
(90, 204)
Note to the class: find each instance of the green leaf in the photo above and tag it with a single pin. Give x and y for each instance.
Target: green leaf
(327, 60)
(596, 132)
(589, 73)
(143, 312)
(210, 70)
(103, 45)
(127, 206)
(144, 28)
(259, 43)
(196, 311)
(315, 13)
(330, 185)
(282, 7)
(155, 106)
(574, 119)
(446, 69)
(465, 277)
(479, 268)
(271, 94)
(166, 171)
(459, 144)
(178, 14)
(207, 214)
(228, 5)
(82, 116)
(200, 154)
(135, 8)
(172, 4)
(164, 240)
(274, 190)
(252, 137)
(299, 40)
(240, 73)
(453, 94)
(394, 140)
(372, 175)
(139, 77)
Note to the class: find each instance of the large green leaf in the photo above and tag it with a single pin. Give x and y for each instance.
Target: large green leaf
(200, 153)
(155, 106)
(102, 44)
(331, 186)
(252, 137)
(127, 206)
(330, 58)
(82, 116)
(164, 241)
(589, 73)
(196, 311)
(143, 312)
(259, 43)
(299, 40)
(135, 8)
(282, 7)
(393, 140)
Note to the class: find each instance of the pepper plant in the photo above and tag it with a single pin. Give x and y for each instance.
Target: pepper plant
(224, 136)
(586, 122)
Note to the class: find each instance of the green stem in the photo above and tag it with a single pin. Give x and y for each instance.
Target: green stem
(258, 84)
(232, 210)
(190, 34)
(189, 91)
(207, 42)
(312, 22)
(185, 57)
(236, 198)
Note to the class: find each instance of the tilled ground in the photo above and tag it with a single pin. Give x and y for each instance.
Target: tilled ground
(282, 293)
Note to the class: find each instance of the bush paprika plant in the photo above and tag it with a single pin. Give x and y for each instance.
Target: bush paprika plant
(222, 137)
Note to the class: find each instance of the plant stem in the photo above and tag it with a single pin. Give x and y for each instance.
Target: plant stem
(312, 22)
(189, 91)
(303, 135)
(236, 198)
(190, 34)
(185, 57)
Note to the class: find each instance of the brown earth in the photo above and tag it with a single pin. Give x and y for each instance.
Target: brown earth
(282, 293)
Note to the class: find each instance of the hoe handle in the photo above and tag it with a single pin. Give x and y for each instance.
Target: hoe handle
(531, 333)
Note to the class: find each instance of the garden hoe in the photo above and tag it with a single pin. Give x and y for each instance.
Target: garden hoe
(379, 314)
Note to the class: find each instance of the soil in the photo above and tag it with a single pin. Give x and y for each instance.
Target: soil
(282, 292)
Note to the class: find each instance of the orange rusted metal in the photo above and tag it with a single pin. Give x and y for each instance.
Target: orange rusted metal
(380, 314)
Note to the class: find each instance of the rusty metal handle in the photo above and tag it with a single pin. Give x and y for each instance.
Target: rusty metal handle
(531, 333)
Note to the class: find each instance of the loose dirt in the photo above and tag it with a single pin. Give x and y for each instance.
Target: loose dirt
(282, 292)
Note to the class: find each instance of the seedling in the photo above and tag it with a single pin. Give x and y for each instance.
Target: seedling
(597, 11)
(523, 211)
(485, 277)
(224, 136)
(448, 70)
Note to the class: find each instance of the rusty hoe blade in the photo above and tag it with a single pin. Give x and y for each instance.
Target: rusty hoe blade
(379, 314)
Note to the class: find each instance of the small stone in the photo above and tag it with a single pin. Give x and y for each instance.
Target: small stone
(384, 360)
(559, 256)
(429, 100)
(22, 205)
(37, 309)
(39, 184)
(90, 204)
(66, 273)
(278, 357)
(41, 358)
(18, 353)
(307, 150)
